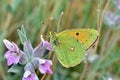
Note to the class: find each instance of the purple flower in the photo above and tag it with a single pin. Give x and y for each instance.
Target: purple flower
(13, 53)
(45, 67)
(23, 58)
(28, 75)
(28, 49)
(40, 49)
(46, 44)
(29, 72)
(111, 19)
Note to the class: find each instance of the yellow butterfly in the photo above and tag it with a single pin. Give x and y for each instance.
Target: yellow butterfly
(70, 45)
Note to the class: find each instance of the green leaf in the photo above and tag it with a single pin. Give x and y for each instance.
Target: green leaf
(16, 69)
(22, 35)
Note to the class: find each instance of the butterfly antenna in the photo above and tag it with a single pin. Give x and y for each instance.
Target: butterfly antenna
(47, 22)
(59, 21)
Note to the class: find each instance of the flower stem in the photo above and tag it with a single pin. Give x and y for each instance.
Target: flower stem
(100, 21)
(84, 70)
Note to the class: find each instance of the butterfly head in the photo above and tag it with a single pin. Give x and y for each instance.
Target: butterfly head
(54, 38)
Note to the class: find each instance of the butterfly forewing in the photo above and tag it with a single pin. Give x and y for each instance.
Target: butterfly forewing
(86, 37)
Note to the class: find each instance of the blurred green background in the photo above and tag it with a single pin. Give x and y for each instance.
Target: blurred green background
(43, 16)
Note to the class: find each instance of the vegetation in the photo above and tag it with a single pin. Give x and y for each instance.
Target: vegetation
(40, 17)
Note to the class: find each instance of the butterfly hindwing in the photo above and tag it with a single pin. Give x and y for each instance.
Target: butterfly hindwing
(69, 51)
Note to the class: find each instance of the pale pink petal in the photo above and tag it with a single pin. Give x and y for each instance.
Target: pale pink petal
(41, 69)
(13, 53)
(41, 61)
(7, 54)
(16, 49)
(8, 44)
(28, 75)
(12, 58)
(45, 68)
(46, 44)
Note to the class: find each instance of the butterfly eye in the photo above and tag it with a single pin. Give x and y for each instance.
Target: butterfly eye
(55, 42)
(77, 34)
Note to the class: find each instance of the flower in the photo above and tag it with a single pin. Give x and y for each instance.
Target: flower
(45, 67)
(28, 75)
(23, 58)
(111, 19)
(28, 49)
(42, 64)
(29, 72)
(30, 57)
(13, 53)
(46, 44)
(43, 47)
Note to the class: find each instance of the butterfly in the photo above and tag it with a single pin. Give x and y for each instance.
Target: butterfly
(70, 45)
